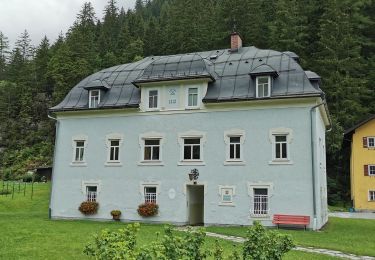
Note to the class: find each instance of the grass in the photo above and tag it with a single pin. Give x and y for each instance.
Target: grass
(29, 234)
(348, 235)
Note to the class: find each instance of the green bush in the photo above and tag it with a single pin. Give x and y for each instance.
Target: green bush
(262, 244)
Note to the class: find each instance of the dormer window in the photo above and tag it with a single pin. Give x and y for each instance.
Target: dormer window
(192, 101)
(153, 99)
(263, 86)
(94, 98)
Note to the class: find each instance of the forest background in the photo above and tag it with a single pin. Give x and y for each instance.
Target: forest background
(334, 38)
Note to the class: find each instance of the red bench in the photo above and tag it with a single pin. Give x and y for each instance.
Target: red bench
(291, 220)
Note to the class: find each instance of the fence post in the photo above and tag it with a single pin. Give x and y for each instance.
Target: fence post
(24, 189)
(19, 186)
(32, 188)
(6, 193)
(13, 191)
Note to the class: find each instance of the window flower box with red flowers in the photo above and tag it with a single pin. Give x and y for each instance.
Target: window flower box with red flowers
(148, 209)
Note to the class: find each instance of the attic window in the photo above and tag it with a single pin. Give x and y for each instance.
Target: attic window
(94, 98)
(263, 86)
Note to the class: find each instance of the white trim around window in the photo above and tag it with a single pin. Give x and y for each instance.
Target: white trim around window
(85, 190)
(260, 204)
(149, 184)
(371, 142)
(371, 195)
(94, 98)
(227, 192)
(193, 97)
(79, 150)
(156, 141)
(371, 170)
(153, 99)
(280, 139)
(263, 88)
(189, 140)
(114, 143)
(234, 142)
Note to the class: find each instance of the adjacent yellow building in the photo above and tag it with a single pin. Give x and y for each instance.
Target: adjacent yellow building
(362, 164)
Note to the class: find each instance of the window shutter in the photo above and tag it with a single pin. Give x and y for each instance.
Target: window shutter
(365, 142)
(365, 169)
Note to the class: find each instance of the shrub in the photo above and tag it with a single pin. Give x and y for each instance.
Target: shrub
(116, 212)
(89, 207)
(263, 244)
(148, 209)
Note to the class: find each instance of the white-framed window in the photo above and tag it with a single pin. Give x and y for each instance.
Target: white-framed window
(79, 144)
(281, 138)
(226, 195)
(234, 140)
(114, 150)
(79, 150)
(114, 142)
(371, 195)
(192, 97)
(94, 98)
(91, 190)
(153, 98)
(281, 147)
(192, 149)
(91, 193)
(260, 202)
(371, 142)
(260, 194)
(371, 170)
(150, 194)
(191, 144)
(151, 150)
(263, 86)
(149, 191)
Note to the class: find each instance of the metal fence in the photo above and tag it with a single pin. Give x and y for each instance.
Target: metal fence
(10, 188)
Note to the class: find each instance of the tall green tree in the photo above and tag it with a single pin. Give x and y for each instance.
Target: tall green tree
(4, 53)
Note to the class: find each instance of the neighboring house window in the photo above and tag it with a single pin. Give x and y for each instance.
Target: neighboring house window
(79, 151)
(91, 193)
(192, 149)
(281, 138)
(94, 98)
(226, 194)
(263, 86)
(281, 147)
(153, 99)
(371, 195)
(150, 194)
(371, 170)
(192, 97)
(371, 142)
(114, 142)
(114, 150)
(151, 150)
(260, 203)
(235, 148)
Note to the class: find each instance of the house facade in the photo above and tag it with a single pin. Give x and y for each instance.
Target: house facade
(362, 164)
(251, 122)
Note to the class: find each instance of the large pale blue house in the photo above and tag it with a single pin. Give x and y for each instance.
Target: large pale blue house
(252, 122)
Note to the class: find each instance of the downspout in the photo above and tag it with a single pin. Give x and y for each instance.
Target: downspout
(313, 160)
(53, 163)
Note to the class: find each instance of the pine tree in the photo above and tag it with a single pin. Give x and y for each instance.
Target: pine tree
(4, 53)
(24, 45)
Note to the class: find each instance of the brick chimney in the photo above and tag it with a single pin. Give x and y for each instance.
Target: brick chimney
(235, 41)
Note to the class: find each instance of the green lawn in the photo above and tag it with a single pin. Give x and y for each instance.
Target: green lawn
(348, 235)
(27, 233)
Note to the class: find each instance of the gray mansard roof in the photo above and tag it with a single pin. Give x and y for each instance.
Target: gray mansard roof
(230, 76)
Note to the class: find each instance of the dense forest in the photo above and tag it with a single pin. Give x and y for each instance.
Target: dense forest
(334, 38)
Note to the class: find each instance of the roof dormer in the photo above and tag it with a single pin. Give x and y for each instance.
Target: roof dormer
(96, 90)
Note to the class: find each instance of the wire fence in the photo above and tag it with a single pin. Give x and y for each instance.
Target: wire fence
(10, 188)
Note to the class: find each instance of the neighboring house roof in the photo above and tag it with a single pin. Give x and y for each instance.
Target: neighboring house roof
(351, 130)
(228, 74)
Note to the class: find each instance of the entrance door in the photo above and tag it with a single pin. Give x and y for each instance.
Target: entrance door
(195, 203)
